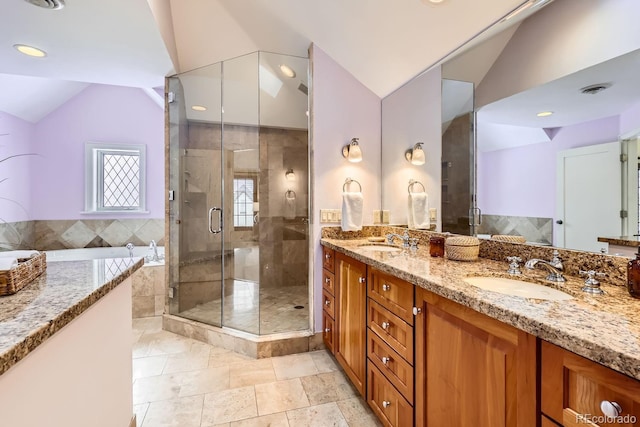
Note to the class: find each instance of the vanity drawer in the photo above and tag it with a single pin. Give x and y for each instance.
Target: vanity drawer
(394, 367)
(573, 387)
(328, 332)
(328, 257)
(392, 293)
(328, 282)
(394, 331)
(385, 401)
(328, 303)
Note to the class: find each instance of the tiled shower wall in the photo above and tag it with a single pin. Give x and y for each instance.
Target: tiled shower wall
(535, 230)
(85, 233)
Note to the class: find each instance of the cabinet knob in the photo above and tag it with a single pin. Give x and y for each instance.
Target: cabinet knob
(327, 302)
(362, 280)
(416, 311)
(610, 409)
(386, 287)
(327, 256)
(327, 330)
(327, 280)
(385, 325)
(386, 403)
(385, 360)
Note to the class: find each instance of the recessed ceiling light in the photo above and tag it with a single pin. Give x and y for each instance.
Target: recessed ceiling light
(427, 2)
(30, 50)
(48, 4)
(287, 71)
(544, 113)
(198, 108)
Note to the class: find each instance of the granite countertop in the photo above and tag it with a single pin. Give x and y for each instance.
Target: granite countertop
(632, 241)
(59, 295)
(602, 328)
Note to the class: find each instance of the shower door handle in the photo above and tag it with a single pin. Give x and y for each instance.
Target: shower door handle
(211, 211)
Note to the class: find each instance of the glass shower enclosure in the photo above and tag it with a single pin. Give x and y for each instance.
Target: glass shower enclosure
(239, 194)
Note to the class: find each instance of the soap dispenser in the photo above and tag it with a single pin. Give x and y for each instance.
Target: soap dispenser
(633, 276)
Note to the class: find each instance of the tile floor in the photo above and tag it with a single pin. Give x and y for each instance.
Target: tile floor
(181, 382)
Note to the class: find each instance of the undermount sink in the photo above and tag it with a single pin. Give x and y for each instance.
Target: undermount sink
(380, 247)
(518, 288)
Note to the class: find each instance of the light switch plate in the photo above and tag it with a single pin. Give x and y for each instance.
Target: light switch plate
(385, 217)
(377, 216)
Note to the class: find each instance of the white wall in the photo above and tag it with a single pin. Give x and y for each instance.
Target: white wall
(342, 108)
(564, 37)
(412, 114)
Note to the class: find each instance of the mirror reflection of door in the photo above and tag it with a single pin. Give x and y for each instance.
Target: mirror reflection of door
(588, 197)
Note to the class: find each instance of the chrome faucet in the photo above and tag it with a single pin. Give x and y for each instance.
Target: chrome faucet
(554, 267)
(153, 247)
(404, 237)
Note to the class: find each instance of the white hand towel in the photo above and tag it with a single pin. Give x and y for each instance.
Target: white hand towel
(289, 206)
(7, 263)
(352, 211)
(18, 254)
(418, 212)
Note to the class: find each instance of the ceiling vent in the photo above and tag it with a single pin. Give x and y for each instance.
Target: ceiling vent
(593, 89)
(47, 4)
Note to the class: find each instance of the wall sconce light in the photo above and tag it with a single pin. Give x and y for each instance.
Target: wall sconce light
(352, 151)
(290, 175)
(415, 155)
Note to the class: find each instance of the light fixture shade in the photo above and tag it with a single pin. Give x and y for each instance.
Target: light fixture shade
(416, 155)
(352, 152)
(290, 175)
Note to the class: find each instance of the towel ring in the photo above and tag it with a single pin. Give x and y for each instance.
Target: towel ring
(412, 182)
(349, 181)
(288, 192)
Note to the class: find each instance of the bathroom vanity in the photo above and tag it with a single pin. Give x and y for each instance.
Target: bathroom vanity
(438, 351)
(65, 347)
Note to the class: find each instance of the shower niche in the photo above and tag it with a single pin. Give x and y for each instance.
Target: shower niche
(238, 172)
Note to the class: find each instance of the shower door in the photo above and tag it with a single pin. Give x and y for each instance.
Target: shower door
(195, 195)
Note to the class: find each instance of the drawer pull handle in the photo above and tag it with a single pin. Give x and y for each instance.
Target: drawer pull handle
(385, 360)
(327, 302)
(362, 280)
(327, 280)
(327, 330)
(327, 256)
(610, 409)
(386, 287)
(416, 311)
(386, 403)
(385, 325)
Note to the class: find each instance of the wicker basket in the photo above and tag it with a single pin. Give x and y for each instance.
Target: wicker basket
(11, 281)
(463, 248)
(508, 238)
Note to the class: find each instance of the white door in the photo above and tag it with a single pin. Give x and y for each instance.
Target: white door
(589, 196)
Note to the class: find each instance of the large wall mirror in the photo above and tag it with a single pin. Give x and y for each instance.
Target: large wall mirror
(557, 102)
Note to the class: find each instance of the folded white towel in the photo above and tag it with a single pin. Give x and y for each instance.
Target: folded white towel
(18, 254)
(352, 211)
(418, 212)
(7, 263)
(289, 206)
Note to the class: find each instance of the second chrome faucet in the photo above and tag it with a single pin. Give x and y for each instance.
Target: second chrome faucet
(554, 267)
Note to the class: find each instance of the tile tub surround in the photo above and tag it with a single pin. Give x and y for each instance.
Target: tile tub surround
(148, 291)
(602, 328)
(66, 290)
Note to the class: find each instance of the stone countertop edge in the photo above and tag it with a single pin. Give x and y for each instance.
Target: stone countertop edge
(42, 332)
(601, 328)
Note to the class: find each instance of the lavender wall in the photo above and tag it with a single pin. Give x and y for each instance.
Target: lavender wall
(630, 120)
(342, 108)
(522, 181)
(16, 136)
(100, 113)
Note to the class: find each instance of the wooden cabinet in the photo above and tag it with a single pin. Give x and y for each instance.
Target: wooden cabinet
(471, 370)
(574, 388)
(351, 318)
(328, 299)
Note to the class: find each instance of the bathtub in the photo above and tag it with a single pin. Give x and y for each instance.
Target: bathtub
(100, 253)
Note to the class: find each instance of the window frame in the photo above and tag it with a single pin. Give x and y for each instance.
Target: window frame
(245, 176)
(94, 152)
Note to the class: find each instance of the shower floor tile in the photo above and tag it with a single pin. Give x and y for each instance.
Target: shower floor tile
(234, 390)
(257, 310)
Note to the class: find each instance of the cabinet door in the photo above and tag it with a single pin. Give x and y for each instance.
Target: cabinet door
(573, 389)
(471, 370)
(351, 321)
